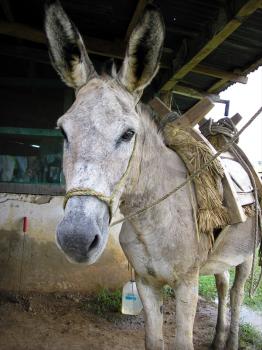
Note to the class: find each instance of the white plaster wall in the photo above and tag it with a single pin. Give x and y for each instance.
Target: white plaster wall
(32, 262)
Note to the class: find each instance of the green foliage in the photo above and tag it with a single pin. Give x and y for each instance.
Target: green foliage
(168, 292)
(250, 338)
(254, 303)
(104, 302)
(207, 287)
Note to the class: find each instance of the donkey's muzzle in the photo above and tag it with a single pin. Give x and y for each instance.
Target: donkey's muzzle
(80, 236)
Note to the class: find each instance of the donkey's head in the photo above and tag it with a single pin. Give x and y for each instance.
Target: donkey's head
(100, 129)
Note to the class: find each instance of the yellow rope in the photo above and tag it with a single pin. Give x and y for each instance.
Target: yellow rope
(192, 176)
(109, 200)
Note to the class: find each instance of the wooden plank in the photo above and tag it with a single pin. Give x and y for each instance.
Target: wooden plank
(192, 117)
(115, 49)
(196, 113)
(141, 4)
(218, 85)
(221, 83)
(159, 106)
(246, 10)
(217, 73)
(193, 93)
(22, 31)
(236, 118)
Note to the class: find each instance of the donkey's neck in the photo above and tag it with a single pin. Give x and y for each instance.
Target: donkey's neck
(156, 171)
(151, 237)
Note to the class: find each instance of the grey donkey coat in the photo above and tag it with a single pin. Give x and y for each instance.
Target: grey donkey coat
(103, 130)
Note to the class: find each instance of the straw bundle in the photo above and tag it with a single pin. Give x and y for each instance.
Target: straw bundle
(211, 212)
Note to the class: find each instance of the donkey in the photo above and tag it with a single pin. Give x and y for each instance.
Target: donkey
(114, 156)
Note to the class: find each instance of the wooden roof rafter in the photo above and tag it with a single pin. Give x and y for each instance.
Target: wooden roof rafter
(101, 47)
(244, 12)
(222, 83)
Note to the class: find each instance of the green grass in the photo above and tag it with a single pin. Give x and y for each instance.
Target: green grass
(168, 292)
(256, 302)
(104, 303)
(207, 289)
(108, 305)
(250, 338)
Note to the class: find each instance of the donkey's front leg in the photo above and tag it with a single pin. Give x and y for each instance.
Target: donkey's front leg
(152, 299)
(186, 292)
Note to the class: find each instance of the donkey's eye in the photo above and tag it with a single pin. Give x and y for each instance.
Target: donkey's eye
(127, 135)
(64, 134)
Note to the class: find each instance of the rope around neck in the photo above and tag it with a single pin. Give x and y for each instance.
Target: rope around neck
(109, 200)
(192, 176)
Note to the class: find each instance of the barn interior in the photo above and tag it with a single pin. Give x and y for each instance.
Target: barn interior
(209, 45)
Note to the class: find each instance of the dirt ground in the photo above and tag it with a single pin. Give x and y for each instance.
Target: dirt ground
(56, 322)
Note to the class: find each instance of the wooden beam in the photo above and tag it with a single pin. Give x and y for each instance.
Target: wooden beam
(141, 4)
(196, 113)
(223, 82)
(25, 53)
(96, 46)
(246, 10)
(192, 117)
(194, 93)
(218, 85)
(159, 106)
(217, 73)
(236, 118)
(22, 31)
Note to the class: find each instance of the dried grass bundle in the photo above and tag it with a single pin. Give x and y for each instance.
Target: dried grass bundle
(211, 212)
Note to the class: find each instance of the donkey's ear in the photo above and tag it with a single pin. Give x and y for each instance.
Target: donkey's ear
(66, 48)
(144, 50)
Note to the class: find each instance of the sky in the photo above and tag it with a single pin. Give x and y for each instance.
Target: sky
(245, 99)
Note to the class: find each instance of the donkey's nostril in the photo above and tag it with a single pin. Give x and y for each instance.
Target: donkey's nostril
(94, 243)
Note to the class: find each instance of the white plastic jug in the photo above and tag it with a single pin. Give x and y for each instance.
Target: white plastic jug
(131, 303)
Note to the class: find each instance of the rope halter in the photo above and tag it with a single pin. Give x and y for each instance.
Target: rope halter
(109, 200)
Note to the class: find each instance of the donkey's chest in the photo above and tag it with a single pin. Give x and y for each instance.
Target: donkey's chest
(153, 258)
